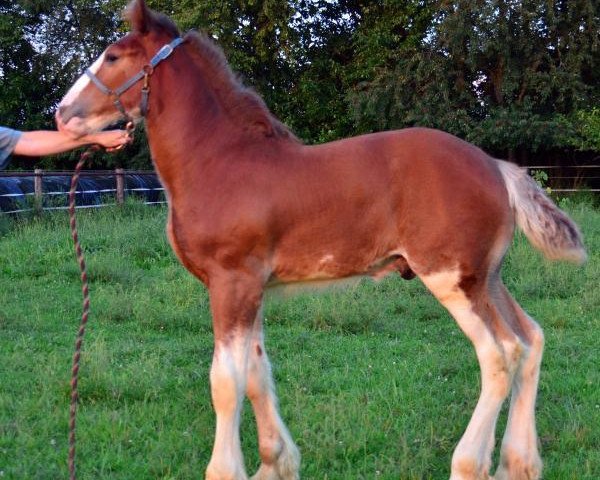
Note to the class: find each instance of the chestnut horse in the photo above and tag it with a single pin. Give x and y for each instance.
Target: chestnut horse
(251, 207)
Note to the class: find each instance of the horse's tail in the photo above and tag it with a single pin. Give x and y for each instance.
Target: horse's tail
(547, 227)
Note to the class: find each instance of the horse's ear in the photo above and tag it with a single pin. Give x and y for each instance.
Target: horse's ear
(139, 16)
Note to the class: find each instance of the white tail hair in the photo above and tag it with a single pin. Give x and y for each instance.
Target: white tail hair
(547, 227)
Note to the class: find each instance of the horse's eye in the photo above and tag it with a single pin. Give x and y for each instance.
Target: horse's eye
(111, 58)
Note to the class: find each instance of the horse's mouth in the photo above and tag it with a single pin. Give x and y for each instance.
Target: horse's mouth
(77, 126)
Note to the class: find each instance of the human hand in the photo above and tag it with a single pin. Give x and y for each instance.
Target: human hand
(110, 139)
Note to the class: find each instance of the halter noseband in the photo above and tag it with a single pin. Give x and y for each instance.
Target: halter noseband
(144, 73)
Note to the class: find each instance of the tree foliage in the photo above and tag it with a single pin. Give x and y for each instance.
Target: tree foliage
(506, 75)
(513, 76)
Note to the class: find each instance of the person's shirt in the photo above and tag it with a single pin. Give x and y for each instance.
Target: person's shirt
(8, 141)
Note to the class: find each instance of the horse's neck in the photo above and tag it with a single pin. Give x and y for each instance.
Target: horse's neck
(185, 125)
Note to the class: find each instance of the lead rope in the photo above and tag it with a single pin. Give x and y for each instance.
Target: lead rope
(86, 301)
(86, 309)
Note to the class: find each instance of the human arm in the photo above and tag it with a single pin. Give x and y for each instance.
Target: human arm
(50, 142)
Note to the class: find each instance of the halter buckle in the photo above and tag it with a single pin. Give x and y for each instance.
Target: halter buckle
(148, 70)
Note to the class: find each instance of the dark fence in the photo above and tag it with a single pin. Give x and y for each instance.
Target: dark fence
(567, 178)
(41, 190)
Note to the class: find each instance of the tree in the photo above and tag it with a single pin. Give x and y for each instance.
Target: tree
(508, 75)
(23, 102)
(513, 76)
(46, 45)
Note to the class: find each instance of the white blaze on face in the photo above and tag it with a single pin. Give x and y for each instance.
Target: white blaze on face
(81, 83)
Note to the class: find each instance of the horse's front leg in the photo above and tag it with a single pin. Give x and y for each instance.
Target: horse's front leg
(280, 458)
(235, 299)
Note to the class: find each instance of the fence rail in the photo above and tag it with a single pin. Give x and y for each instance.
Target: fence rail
(145, 184)
(568, 178)
(48, 190)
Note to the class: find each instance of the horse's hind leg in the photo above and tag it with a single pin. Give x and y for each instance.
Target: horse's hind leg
(519, 457)
(279, 455)
(498, 350)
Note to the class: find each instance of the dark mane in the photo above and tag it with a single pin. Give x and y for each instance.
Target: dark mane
(238, 100)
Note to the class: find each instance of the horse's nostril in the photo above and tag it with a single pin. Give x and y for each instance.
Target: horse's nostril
(67, 112)
(61, 112)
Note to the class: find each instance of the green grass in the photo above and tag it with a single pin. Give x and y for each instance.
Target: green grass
(375, 382)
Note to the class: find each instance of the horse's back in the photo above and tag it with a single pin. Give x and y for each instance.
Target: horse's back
(421, 172)
(422, 152)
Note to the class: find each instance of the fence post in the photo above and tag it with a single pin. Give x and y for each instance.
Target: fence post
(120, 178)
(37, 190)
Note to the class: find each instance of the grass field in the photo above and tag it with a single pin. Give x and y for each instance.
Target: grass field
(375, 382)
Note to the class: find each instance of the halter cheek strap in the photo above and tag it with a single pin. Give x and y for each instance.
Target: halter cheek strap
(144, 73)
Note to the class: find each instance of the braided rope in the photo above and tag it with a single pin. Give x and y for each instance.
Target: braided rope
(85, 312)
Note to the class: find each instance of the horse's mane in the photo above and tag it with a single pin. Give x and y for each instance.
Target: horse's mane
(241, 102)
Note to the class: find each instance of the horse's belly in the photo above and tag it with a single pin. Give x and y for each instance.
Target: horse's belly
(326, 273)
(312, 286)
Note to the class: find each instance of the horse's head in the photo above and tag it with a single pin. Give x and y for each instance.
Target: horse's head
(112, 88)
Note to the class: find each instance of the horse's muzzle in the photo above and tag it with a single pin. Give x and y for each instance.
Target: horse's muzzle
(70, 120)
(67, 112)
